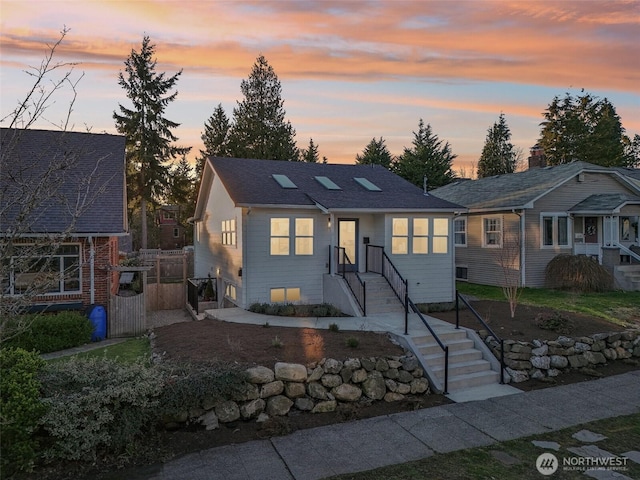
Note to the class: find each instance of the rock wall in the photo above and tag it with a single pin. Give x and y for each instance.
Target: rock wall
(541, 359)
(315, 388)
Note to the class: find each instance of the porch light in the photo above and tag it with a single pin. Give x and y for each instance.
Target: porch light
(329, 222)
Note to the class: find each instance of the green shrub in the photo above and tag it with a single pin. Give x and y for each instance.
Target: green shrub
(577, 273)
(554, 321)
(352, 342)
(258, 307)
(98, 404)
(334, 327)
(276, 342)
(50, 332)
(189, 386)
(290, 310)
(20, 409)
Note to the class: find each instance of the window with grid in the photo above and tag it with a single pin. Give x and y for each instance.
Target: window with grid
(304, 236)
(279, 236)
(420, 236)
(229, 232)
(492, 232)
(460, 232)
(400, 236)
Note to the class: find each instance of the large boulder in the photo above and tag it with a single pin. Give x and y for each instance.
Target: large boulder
(260, 375)
(347, 393)
(374, 386)
(290, 372)
(278, 406)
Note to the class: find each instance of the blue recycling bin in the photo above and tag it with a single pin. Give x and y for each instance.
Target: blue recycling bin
(98, 317)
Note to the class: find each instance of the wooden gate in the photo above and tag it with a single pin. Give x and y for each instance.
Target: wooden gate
(128, 316)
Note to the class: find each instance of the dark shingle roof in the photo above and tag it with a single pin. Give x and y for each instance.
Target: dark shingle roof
(50, 176)
(251, 182)
(515, 190)
(604, 203)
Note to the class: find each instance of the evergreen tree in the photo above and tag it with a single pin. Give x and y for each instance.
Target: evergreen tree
(148, 133)
(498, 154)
(375, 153)
(183, 192)
(632, 151)
(310, 155)
(428, 157)
(259, 129)
(583, 128)
(215, 138)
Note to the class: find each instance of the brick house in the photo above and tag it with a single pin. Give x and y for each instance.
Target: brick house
(62, 212)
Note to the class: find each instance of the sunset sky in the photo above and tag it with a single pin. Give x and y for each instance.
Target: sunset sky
(350, 70)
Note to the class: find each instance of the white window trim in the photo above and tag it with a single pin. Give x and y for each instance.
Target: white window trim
(12, 278)
(296, 236)
(230, 291)
(464, 220)
(554, 230)
(232, 233)
(286, 294)
(484, 233)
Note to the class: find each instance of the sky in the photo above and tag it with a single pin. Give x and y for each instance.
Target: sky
(350, 70)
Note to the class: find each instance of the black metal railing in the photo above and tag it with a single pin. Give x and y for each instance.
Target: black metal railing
(445, 348)
(484, 324)
(347, 270)
(197, 291)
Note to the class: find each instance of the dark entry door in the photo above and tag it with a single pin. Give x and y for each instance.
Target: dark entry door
(348, 239)
(591, 230)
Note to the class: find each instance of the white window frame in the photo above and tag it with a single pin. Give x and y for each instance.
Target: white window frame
(463, 220)
(397, 234)
(60, 274)
(303, 239)
(289, 294)
(555, 230)
(437, 235)
(230, 291)
(422, 237)
(279, 236)
(486, 218)
(229, 232)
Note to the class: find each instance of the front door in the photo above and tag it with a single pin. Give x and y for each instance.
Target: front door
(591, 230)
(348, 239)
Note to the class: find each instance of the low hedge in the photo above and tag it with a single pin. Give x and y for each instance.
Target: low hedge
(46, 333)
(293, 310)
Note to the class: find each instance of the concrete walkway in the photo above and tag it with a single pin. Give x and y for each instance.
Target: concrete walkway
(366, 444)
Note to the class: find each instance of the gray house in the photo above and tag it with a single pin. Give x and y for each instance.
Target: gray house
(516, 223)
(277, 231)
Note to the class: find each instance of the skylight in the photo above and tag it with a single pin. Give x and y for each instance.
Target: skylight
(327, 183)
(284, 181)
(367, 184)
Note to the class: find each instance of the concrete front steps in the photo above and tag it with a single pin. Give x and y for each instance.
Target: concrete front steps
(628, 277)
(468, 366)
(380, 296)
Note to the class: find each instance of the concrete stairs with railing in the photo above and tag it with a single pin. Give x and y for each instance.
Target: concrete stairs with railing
(628, 277)
(471, 364)
(380, 295)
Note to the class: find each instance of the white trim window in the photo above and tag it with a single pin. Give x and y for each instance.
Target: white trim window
(229, 232)
(284, 295)
(492, 231)
(440, 235)
(230, 291)
(35, 270)
(304, 236)
(279, 236)
(399, 236)
(420, 236)
(555, 230)
(460, 231)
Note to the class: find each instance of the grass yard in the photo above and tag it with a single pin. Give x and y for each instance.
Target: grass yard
(129, 351)
(617, 307)
(623, 435)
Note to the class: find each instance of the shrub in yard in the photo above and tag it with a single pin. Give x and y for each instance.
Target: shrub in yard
(290, 310)
(189, 386)
(554, 321)
(51, 332)
(578, 273)
(20, 409)
(97, 404)
(352, 342)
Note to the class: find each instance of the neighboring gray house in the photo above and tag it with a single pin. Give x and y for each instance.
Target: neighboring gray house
(516, 223)
(277, 231)
(63, 197)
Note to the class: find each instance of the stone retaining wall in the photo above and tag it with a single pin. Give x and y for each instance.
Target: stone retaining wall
(548, 358)
(315, 388)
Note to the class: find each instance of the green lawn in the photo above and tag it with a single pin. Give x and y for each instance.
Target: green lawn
(623, 435)
(617, 307)
(128, 351)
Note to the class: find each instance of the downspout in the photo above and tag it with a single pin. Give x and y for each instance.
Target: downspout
(92, 254)
(522, 246)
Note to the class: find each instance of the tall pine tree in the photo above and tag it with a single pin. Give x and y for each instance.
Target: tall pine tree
(583, 128)
(310, 155)
(259, 129)
(148, 133)
(215, 138)
(375, 153)
(498, 154)
(428, 157)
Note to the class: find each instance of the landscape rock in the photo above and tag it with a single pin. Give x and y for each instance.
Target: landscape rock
(347, 393)
(270, 389)
(295, 389)
(278, 406)
(331, 380)
(332, 366)
(252, 409)
(325, 407)
(260, 375)
(374, 386)
(317, 391)
(209, 420)
(290, 372)
(227, 411)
